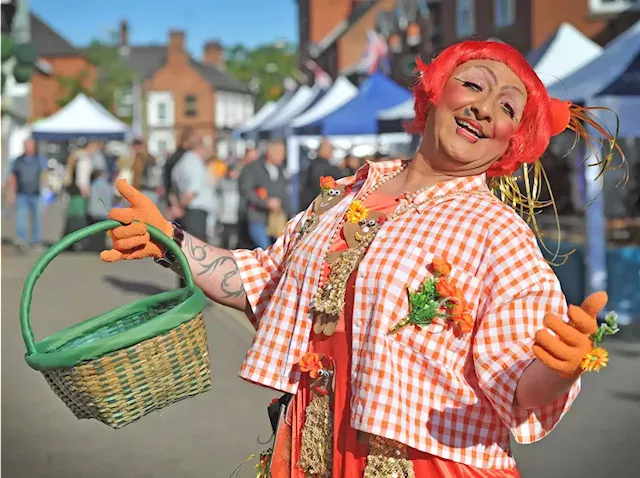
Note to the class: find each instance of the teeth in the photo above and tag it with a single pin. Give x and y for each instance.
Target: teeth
(467, 126)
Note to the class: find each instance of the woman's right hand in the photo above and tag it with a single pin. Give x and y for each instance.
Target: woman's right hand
(132, 240)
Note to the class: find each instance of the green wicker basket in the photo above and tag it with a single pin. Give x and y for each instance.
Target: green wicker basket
(119, 366)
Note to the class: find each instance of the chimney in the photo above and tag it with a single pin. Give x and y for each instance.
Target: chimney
(124, 33)
(175, 50)
(213, 54)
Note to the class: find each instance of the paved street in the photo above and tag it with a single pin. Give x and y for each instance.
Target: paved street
(209, 435)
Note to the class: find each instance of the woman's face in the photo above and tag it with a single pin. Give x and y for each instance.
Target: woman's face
(479, 111)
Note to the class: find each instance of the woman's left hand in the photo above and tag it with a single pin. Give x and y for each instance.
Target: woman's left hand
(564, 352)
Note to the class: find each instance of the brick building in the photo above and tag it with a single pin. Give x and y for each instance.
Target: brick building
(422, 27)
(64, 60)
(333, 32)
(178, 91)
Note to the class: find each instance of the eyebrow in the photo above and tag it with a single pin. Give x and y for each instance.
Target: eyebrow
(495, 80)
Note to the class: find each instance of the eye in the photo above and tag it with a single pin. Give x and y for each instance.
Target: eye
(362, 222)
(472, 86)
(334, 192)
(509, 110)
(322, 372)
(371, 223)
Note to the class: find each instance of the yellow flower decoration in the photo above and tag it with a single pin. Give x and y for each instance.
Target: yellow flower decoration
(595, 360)
(357, 212)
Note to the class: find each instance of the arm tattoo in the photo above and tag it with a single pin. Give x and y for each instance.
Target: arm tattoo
(212, 264)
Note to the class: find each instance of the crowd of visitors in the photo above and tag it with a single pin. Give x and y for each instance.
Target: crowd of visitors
(237, 202)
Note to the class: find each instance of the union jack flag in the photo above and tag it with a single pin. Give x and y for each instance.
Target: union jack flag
(375, 54)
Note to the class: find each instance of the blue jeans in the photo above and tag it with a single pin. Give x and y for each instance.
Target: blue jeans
(28, 208)
(258, 234)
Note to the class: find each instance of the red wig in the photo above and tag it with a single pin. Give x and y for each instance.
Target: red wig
(534, 131)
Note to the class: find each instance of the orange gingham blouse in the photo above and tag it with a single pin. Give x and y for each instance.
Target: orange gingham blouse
(448, 396)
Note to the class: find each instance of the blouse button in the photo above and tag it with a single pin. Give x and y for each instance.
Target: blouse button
(363, 274)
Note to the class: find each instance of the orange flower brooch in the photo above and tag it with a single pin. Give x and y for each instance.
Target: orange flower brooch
(437, 298)
(598, 357)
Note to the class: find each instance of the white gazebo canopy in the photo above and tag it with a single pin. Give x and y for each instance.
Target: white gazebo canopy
(593, 78)
(403, 111)
(341, 92)
(83, 117)
(566, 51)
(610, 80)
(257, 119)
(299, 102)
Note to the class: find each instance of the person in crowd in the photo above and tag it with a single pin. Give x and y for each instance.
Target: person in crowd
(99, 204)
(228, 205)
(145, 174)
(98, 159)
(350, 165)
(216, 169)
(79, 169)
(244, 239)
(250, 155)
(26, 176)
(318, 167)
(264, 191)
(192, 188)
(187, 138)
(409, 314)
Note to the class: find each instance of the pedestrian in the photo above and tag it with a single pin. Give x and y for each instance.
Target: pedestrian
(228, 206)
(264, 191)
(99, 204)
(320, 166)
(405, 314)
(145, 174)
(78, 186)
(185, 144)
(351, 164)
(25, 183)
(192, 189)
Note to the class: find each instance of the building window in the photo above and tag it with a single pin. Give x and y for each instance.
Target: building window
(191, 106)
(162, 112)
(504, 13)
(466, 18)
(612, 6)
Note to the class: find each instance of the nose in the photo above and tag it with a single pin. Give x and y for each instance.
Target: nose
(482, 110)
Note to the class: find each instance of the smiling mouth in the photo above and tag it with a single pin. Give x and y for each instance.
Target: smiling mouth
(474, 130)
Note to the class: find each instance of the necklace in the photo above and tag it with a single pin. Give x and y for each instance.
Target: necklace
(329, 300)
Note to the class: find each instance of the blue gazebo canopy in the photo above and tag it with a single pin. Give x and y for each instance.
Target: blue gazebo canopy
(360, 115)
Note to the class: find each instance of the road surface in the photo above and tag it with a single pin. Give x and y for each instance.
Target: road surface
(209, 435)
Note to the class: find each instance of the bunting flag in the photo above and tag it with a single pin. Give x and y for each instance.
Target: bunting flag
(375, 54)
(320, 77)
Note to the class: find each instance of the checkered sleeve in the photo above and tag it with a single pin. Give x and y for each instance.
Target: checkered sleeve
(260, 269)
(521, 288)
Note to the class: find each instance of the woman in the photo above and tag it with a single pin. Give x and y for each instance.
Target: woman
(407, 310)
(78, 185)
(145, 177)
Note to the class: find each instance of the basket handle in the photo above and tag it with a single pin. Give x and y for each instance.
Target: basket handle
(66, 242)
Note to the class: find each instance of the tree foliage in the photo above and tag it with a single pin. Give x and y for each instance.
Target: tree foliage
(264, 68)
(114, 75)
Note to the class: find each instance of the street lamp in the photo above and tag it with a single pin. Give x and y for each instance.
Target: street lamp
(22, 56)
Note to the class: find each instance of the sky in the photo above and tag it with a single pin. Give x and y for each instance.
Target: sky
(251, 22)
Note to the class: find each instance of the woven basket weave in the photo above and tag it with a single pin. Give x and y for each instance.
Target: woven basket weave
(135, 359)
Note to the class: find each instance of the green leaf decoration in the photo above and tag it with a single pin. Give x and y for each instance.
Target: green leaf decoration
(608, 327)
